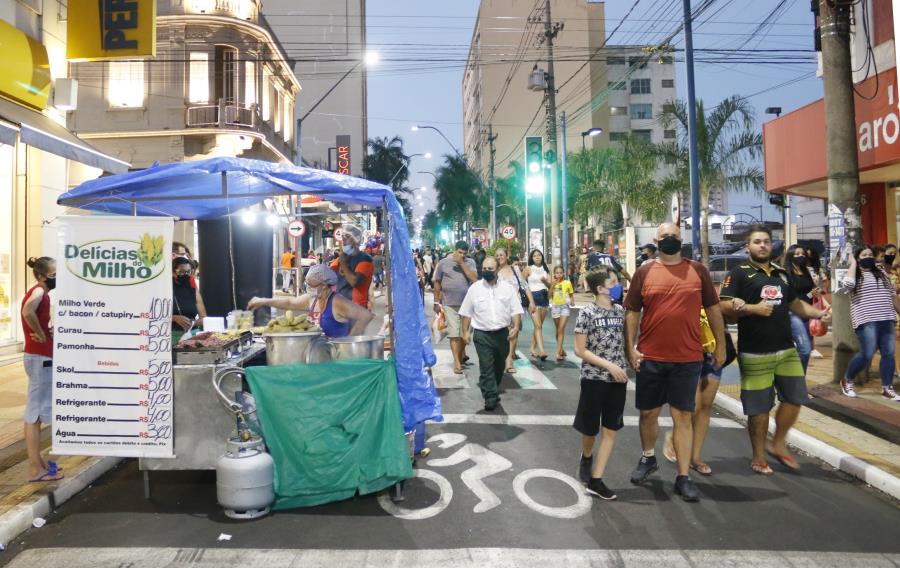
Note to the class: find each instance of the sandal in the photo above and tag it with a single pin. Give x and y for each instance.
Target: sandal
(46, 477)
(787, 460)
(510, 370)
(459, 371)
(702, 468)
(761, 468)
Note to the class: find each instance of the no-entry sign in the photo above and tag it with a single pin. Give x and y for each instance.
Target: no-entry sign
(508, 232)
(296, 228)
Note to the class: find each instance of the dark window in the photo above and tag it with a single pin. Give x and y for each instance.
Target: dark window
(668, 83)
(641, 111)
(613, 60)
(617, 85)
(638, 62)
(643, 135)
(617, 136)
(226, 73)
(668, 108)
(640, 86)
(669, 134)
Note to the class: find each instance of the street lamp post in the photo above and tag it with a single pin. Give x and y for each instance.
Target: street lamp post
(787, 197)
(371, 58)
(426, 155)
(590, 132)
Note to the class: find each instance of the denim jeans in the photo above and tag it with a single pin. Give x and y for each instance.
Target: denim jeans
(872, 335)
(802, 340)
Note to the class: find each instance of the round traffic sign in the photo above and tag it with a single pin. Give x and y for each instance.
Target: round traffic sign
(296, 228)
(339, 234)
(508, 232)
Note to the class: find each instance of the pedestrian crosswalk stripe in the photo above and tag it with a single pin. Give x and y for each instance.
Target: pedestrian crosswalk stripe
(558, 420)
(573, 359)
(458, 557)
(528, 376)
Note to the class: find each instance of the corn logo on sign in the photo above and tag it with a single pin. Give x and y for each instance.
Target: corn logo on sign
(117, 262)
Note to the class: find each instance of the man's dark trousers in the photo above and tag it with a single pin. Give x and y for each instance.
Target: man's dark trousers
(492, 348)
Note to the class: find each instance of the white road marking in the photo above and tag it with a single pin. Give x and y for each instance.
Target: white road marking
(573, 359)
(445, 490)
(558, 420)
(528, 376)
(582, 506)
(487, 463)
(447, 558)
(444, 377)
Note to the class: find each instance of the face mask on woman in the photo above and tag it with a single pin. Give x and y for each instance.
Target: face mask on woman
(348, 250)
(800, 261)
(889, 259)
(50, 282)
(867, 263)
(183, 280)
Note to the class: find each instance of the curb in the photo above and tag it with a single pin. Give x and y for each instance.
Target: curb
(864, 471)
(18, 519)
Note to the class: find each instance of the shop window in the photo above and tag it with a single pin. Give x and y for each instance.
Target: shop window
(641, 111)
(249, 82)
(7, 305)
(668, 83)
(198, 77)
(126, 84)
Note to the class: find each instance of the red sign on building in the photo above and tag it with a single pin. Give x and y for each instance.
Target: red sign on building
(342, 141)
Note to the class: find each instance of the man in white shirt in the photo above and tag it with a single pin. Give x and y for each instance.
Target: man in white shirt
(494, 310)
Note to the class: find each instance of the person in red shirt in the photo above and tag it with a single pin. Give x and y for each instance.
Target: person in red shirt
(354, 267)
(39, 365)
(669, 291)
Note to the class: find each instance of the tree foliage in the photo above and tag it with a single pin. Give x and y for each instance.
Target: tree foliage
(459, 194)
(728, 150)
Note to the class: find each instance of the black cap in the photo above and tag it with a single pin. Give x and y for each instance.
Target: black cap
(649, 246)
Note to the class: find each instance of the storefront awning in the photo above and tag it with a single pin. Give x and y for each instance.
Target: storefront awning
(41, 132)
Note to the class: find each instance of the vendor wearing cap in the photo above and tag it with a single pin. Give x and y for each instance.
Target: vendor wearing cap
(335, 314)
(354, 267)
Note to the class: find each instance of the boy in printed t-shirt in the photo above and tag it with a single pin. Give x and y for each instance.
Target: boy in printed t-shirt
(600, 343)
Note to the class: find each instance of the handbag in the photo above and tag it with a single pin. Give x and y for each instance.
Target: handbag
(707, 337)
(817, 328)
(523, 297)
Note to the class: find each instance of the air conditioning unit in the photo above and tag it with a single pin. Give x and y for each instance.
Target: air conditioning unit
(65, 94)
(537, 79)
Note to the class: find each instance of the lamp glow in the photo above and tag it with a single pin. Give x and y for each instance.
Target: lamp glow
(372, 57)
(535, 184)
(249, 217)
(272, 220)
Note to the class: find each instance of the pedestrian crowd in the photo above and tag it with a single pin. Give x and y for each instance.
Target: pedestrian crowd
(669, 333)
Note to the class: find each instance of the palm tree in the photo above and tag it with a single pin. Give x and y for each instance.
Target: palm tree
(728, 149)
(387, 163)
(511, 197)
(459, 194)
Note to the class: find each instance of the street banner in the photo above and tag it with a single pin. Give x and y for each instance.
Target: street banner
(112, 352)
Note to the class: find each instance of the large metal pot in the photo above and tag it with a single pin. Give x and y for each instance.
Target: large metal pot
(291, 347)
(357, 347)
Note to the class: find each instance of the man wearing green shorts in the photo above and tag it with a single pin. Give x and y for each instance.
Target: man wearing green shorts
(758, 294)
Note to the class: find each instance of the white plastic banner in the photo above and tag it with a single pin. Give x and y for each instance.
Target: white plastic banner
(112, 352)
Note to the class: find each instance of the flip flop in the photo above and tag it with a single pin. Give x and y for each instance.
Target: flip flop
(511, 370)
(761, 468)
(787, 460)
(702, 468)
(560, 359)
(45, 477)
(459, 371)
(669, 448)
(543, 357)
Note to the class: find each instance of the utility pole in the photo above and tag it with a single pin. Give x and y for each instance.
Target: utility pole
(843, 167)
(491, 185)
(551, 30)
(564, 249)
(692, 130)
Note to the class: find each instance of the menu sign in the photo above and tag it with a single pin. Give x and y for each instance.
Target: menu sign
(112, 352)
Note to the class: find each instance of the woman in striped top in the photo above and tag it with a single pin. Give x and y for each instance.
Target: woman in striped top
(873, 313)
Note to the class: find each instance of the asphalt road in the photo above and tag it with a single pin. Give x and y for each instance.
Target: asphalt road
(497, 489)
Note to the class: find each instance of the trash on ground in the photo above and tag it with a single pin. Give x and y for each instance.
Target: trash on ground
(38, 522)
(223, 536)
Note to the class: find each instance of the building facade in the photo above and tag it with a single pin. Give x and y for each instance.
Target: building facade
(36, 149)
(795, 143)
(328, 44)
(220, 85)
(639, 89)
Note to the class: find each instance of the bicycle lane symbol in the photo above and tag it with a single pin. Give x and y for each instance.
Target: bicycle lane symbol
(487, 463)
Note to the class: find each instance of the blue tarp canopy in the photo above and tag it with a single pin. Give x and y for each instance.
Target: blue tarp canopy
(215, 187)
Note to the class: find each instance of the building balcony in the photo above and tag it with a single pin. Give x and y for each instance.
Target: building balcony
(237, 116)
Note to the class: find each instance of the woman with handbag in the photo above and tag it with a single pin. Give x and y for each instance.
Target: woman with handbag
(801, 280)
(873, 314)
(510, 274)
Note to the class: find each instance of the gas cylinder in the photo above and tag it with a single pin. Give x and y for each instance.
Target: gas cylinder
(245, 478)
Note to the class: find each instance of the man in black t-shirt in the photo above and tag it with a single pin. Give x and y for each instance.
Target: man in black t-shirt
(759, 295)
(597, 258)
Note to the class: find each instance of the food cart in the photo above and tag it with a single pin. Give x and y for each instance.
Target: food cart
(219, 187)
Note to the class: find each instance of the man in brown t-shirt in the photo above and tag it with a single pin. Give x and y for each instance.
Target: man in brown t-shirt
(670, 291)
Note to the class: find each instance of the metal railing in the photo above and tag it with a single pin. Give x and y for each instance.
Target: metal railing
(223, 114)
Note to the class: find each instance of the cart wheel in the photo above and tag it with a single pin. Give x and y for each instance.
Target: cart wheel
(397, 492)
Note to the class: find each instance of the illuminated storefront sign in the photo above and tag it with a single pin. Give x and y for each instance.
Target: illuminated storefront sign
(26, 68)
(342, 141)
(111, 29)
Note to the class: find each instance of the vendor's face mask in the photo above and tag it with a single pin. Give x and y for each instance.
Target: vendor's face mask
(348, 249)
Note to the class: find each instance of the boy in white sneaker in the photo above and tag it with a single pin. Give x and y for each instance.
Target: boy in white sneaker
(600, 343)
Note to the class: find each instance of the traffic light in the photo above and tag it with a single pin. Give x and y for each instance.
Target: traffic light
(534, 164)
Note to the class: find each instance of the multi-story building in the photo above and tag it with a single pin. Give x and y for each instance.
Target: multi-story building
(220, 85)
(495, 93)
(639, 88)
(36, 149)
(330, 41)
